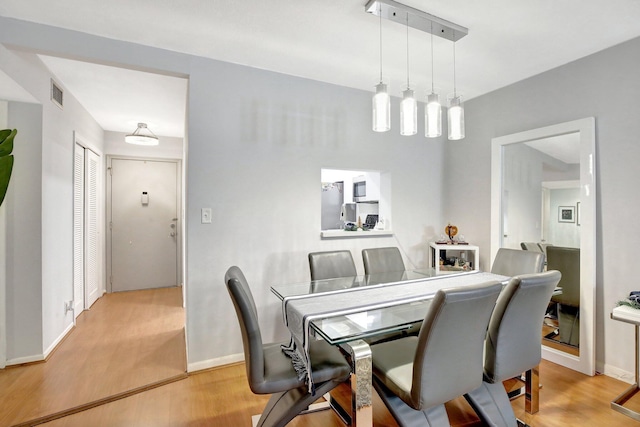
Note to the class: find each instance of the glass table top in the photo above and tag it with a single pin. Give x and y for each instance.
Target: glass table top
(342, 283)
(339, 329)
(371, 323)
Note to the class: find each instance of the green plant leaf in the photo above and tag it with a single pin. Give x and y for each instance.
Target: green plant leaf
(6, 166)
(6, 141)
(6, 161)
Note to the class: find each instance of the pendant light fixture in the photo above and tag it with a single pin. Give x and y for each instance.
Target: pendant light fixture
(422, 21)
(381, 98)
(408, 105)
(455, 113)
(433, 109)
(142, 136)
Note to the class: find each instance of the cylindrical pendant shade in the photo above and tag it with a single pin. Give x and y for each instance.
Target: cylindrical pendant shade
(433, 116)
(381, 109)
(455, 116)
(408, 114)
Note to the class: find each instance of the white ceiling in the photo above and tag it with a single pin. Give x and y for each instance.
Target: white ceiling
(119, 98)
(563, 147)
(333, 41)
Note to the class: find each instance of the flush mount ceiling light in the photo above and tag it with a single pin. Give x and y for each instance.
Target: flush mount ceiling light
(433, 25)
(142, 136)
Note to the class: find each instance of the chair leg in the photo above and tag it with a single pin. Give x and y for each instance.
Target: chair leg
(406, 416)
(436, 416)
(491, 403)
(285, 406)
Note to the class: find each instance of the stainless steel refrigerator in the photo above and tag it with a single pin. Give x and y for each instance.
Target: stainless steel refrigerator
(331, 202)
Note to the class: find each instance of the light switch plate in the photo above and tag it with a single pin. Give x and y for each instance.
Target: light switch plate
(205, 215)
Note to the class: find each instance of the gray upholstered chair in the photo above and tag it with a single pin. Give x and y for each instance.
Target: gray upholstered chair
(384, 264)
(513, 262)
(270, 371)
(331, 264)
(512, 345)
(415, 376)
(382, 260)
(567, 261)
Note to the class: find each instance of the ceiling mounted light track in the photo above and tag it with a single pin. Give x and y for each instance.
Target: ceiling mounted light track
(418, 19)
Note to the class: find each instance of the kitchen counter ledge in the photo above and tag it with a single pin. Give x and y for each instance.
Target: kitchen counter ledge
(342, 234)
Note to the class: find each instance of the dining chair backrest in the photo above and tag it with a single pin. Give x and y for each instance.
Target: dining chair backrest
(567, 261)
(382, 260)
(543, 247)
(248, 318)
(530, 246)
(448, 358)
(331, 264)
(512, 344)
(513, 262)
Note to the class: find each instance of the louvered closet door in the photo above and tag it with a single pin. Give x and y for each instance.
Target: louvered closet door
(91, 228)
(78, 231)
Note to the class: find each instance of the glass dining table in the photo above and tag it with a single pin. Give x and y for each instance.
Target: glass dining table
(348, 311)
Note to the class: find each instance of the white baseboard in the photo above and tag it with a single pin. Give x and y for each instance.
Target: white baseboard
(54, 344)
(619, 374)
(212, 363)
(25, 359)
(43, 356)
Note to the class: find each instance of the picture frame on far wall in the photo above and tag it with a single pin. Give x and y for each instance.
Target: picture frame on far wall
(566, 214)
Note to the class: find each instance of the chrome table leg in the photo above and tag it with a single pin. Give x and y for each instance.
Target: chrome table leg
(532, 390)
(361, 385)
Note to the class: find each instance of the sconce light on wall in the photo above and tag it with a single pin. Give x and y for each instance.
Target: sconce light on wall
(433, 25)
(142, 136)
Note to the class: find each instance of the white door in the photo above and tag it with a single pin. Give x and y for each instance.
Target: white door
(86, 272)
(91, 275)
(144, 215)
(78, 231)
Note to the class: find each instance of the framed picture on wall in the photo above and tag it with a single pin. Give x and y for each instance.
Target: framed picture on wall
(566, 214)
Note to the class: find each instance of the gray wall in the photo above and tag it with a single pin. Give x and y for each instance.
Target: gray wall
(24, 228)
(256, 144)
(39, 212)
(257, 141)
(604, 86)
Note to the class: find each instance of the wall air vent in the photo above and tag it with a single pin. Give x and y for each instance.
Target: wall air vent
(57, 94)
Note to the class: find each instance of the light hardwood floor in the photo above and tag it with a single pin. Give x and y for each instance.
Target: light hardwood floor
(221, 396)
(127, 342)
